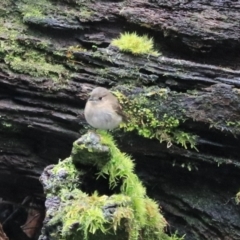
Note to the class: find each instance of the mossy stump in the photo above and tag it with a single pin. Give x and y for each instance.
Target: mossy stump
(125, 214)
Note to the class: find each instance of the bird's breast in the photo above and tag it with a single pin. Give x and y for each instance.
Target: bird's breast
(102, 117)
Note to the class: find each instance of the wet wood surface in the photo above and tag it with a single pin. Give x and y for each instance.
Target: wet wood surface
(41, 110)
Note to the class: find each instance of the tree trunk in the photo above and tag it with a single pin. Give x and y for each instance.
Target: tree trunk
(54, 52)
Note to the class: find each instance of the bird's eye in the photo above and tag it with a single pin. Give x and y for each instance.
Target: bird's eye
(100, 98)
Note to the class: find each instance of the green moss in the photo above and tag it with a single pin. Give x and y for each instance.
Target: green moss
(85, 14)
(174, 237)
(33, 8)
(131, 42)
(122, 167)
(235, 124)
(143, 120)
(183, 138)
(7, 126)
(40, 9)
(237, 198)
(103, 72)
(86, 211)
(21, 58)
(231, 126)
(85, 153)
(69, 54)
(34, 64)
(70, 181)
(11, 24)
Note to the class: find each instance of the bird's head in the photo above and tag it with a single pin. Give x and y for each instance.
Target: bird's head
(98, 94)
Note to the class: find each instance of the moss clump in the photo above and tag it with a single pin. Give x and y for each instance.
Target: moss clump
(130, 214)
(143, 120)
(131, 42)
(86, 212)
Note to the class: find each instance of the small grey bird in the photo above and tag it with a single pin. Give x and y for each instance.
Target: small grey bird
(103, 110)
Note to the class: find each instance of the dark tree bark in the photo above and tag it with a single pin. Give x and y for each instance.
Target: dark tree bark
(54, 52)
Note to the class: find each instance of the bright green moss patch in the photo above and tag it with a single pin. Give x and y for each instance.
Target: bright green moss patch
(131, 42)
(132, 214)
(142, 118)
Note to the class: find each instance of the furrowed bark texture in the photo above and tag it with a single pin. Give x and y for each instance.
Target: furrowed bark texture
(53, 53)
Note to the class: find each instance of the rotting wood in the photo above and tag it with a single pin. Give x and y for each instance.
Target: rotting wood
(41, 117)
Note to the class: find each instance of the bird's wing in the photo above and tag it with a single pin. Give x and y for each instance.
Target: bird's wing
(118, 109)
